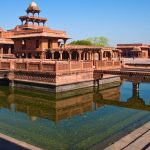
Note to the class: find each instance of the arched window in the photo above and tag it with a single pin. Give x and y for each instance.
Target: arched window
(48, 55)
(56, 55)
(37, 55)
(49, 43)
(75, 55)
(29, 55)
(23, 44)
(37, 44)
(65, 55)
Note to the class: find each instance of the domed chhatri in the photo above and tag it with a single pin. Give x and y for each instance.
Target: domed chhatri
(33, 4)
(33, 8)
(31, 17)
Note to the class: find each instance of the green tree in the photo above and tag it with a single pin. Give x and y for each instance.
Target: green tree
(98, 41)
(81, 42)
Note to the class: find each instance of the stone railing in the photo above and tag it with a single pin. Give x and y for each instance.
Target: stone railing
(44, 65)
(107, 65)
(35, 76)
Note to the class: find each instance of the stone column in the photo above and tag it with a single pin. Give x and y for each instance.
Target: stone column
(83, 55)
(52, 55)
(9, 50)
(60, 55)
(91, 56)
(135, 86)
(101, 55)
(94, 56)
(33, 56)
(79, 56)
(2, 51)
(43, 55)
(70, 56)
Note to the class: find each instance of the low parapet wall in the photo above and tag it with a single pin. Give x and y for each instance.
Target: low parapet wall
(66, 75)
(105, 65)
(45, 66)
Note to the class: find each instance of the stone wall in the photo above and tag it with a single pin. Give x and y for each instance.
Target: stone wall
(106, 65)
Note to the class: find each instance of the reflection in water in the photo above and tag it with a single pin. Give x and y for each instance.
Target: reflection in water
(75, 120)
(52, 108)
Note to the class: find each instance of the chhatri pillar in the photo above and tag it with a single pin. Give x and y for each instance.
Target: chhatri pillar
(60, 55)
(80, 53)
(70, 56)
(9, 50)
(52, 55)
(2, 50)
(101, 55)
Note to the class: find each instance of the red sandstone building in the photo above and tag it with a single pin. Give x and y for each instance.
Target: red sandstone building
(42, 58)
(134, 50)
(33, 39)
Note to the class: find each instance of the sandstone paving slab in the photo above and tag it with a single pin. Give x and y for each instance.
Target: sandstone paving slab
(135, 140)
(141, 142)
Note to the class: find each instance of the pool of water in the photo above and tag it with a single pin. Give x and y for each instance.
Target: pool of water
(79, 121)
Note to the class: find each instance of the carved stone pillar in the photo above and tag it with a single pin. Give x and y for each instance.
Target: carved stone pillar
(91, 56)
(70, 56)
(52, 55)
(60, 55)
(2, 50)
(9, 50)
(101, 55)
(79, 56)
(83, 55)
(33, 56)
(43, 55)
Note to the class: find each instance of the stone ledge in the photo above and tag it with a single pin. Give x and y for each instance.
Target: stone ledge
(134, 140)
(19, 143)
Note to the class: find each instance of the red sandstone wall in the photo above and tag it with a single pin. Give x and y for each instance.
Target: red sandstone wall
(58, 72)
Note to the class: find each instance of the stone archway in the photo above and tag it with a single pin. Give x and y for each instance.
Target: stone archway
(96, 56)
(48, 55)
(56, 55)
(74, 55)
(65, 55)
(107, 55)
(23, 55)
(37, 55)
(29, 55)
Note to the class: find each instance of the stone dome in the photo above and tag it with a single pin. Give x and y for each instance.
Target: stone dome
(33, 7)
(33, 4)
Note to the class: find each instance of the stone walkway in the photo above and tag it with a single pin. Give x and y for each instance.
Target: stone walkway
(137, 140)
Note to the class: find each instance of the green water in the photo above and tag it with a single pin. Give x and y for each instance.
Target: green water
(77, 120)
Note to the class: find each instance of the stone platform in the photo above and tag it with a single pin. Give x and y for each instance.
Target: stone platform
(136, 140)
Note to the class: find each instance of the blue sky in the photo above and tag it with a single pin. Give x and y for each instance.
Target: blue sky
(121, 21)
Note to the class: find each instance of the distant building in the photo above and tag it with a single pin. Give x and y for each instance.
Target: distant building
(134, 50)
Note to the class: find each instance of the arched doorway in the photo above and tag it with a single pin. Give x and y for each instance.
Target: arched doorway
(65, 55)
(23, 55)
(56, 55)
(29, 55)
(74, 55)
(107, 55)
(96, 56)
(48, 55)
(37, 55)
